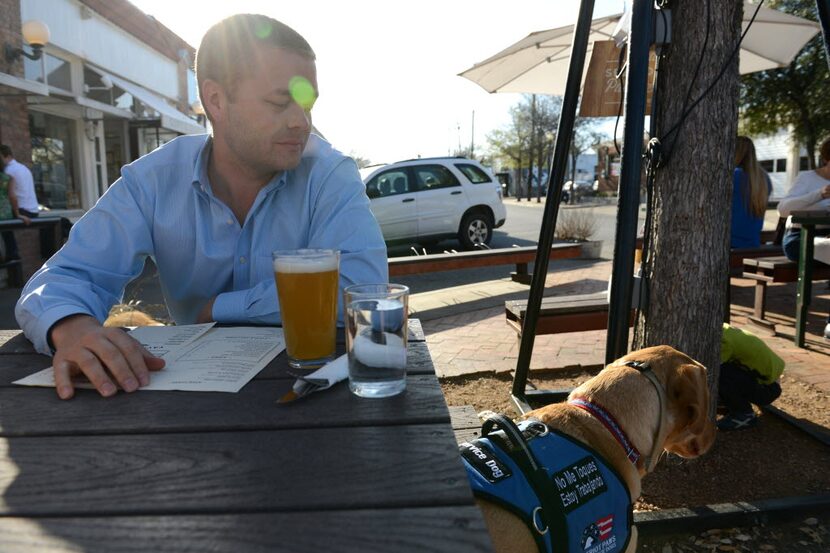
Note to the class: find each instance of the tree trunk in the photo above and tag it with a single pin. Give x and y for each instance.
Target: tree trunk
(532, 150)
(518, 175)
(688, 265)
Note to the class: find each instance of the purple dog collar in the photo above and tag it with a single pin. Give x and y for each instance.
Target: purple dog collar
(610, 423)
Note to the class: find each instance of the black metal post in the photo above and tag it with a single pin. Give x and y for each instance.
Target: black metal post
(823, 9)
(622, 274)
(556, 178)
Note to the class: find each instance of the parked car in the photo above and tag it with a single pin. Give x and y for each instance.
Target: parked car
(429, 199)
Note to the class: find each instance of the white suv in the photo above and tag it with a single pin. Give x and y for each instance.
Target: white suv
(429, 199)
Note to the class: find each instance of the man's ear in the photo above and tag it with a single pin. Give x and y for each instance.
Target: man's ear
(214, 99)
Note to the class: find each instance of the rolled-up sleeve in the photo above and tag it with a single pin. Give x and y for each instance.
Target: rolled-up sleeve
(106, 250)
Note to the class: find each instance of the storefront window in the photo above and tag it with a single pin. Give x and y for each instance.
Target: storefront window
(115, 149)
(156, 138)
(58, 71)
(53, 147)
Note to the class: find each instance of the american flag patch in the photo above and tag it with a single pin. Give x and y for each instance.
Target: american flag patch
(605, 526)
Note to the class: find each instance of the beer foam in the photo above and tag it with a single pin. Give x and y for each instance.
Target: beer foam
(314, 264)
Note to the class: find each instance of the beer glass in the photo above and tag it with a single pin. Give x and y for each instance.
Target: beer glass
(307, 283)
(376, 335)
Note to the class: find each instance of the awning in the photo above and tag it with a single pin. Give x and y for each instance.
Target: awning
(171, 118)
(27, 86)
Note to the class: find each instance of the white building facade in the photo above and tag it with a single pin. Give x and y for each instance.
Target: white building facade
(112, 85)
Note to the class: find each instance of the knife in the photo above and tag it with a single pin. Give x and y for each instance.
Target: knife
(302, 387)
(321, 379)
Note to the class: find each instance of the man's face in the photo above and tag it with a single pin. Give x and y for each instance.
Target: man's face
(267, 118)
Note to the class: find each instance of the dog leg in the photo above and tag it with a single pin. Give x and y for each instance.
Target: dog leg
(507, 532)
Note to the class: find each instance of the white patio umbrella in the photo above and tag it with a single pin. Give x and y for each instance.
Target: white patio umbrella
(539, 62)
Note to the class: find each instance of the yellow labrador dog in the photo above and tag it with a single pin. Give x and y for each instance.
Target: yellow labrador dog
(131, 317)
(651, 400)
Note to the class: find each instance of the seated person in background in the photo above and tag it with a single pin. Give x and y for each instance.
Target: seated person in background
(749, 373)
(750, 189)
(209, 210)
(810, 190)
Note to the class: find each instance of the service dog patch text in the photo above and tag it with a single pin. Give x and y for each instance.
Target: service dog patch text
(579, 483)
(483, 461)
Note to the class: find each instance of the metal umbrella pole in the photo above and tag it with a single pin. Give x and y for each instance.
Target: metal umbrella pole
(823, 9)
(622, 274)
(556, 178)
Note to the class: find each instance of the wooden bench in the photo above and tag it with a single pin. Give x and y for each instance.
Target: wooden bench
(737, 255)
(520, 257)
(559, 314)
(771, 270)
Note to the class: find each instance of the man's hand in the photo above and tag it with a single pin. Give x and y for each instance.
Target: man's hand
(26, 220)
(825, 192)
(206, 314)
(83, 346)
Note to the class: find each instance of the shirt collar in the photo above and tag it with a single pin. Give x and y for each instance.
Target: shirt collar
(200, 178)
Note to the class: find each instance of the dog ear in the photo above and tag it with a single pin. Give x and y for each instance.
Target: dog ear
(688, 398)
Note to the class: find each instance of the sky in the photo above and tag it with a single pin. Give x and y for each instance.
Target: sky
(388, 71)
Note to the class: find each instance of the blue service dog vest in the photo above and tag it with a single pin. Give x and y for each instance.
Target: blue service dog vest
(590, 495)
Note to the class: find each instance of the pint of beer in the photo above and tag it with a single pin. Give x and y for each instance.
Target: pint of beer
(307, 283)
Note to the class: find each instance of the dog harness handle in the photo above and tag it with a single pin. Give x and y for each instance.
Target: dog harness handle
(552, 514)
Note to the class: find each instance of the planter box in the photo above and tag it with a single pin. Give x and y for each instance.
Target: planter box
(591, 249)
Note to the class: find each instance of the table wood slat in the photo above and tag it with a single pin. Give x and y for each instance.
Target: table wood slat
(437, 530)
(222, 472)
(253, 408)
(14, 342)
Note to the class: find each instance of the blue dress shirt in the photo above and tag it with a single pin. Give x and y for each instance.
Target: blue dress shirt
(163, 207)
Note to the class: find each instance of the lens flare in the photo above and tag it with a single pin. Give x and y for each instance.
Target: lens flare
(263, 29)
(302, 92)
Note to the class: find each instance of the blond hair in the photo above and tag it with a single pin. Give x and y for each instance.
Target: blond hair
(755, 187)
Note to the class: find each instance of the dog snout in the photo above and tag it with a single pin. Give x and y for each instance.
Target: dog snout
(695, 445)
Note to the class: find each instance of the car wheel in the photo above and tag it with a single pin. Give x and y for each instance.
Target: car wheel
(476, 229)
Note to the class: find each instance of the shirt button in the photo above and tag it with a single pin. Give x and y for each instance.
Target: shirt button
(230, 221)
(242, 259)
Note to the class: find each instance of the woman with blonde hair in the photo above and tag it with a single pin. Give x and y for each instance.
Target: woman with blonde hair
(750, 190)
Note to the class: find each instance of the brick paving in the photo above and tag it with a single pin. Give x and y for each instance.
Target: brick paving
(480, 341)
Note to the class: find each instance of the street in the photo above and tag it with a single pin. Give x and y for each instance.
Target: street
(524, 222)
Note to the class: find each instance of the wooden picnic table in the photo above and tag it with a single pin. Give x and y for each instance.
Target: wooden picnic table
(224, 472)
(808, 221)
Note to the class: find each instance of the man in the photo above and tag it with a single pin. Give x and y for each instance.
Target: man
(209, 210)
(21, 196)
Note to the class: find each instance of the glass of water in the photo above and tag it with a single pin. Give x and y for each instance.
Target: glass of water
(376, 333)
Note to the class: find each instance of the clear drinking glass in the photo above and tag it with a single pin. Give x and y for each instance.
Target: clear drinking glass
(307, 282)
(376, 335)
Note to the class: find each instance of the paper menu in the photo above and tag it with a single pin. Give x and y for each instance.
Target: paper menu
(161, 340)
(199, 358)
